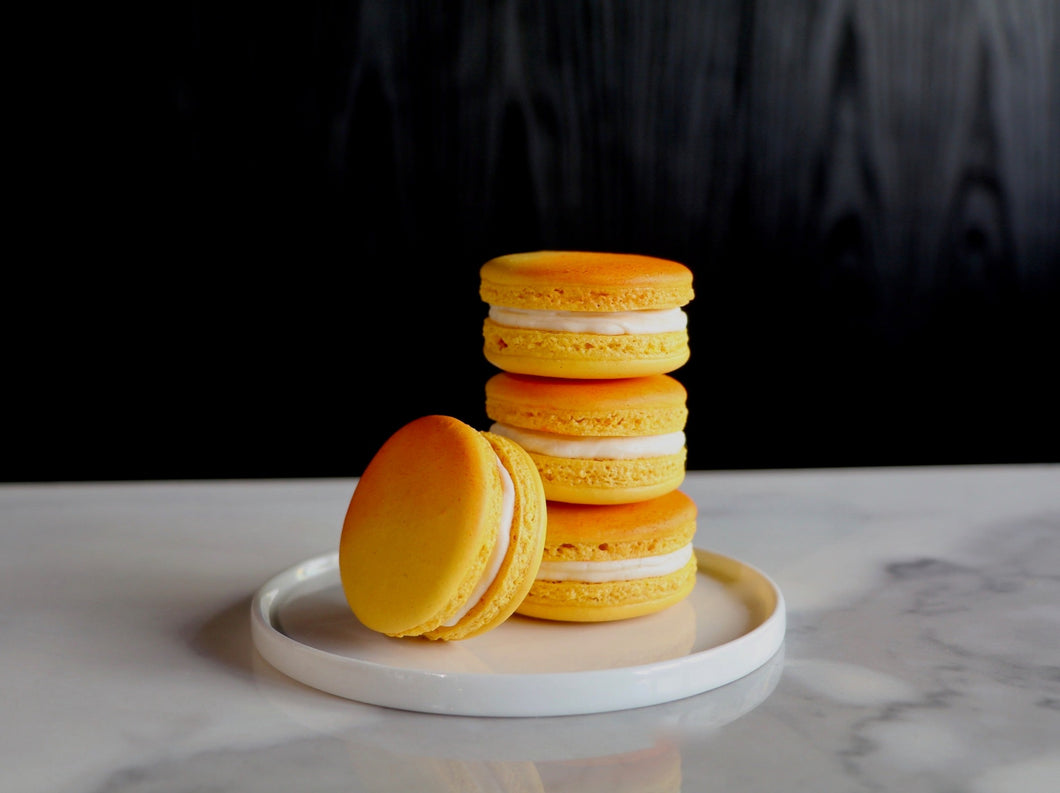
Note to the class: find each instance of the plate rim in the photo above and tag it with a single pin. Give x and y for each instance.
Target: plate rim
(510, 694)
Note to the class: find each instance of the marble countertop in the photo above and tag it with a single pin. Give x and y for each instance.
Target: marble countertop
(922, 650)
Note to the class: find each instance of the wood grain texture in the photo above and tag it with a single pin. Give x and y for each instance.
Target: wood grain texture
(867, 192)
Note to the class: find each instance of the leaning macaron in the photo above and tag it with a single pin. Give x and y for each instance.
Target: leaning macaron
(595, 441)
(444, 532)
(605, 563)
(585, 315)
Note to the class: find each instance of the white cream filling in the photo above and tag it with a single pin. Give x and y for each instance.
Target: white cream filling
(500, 547)
(598, 448)
(605, 323)
(617, 570)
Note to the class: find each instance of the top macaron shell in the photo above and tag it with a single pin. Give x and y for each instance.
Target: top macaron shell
(585, 281)
(639, 299)
(422, 524)
(619, 407)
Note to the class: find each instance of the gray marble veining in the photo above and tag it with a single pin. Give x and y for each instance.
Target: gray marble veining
(922, 650)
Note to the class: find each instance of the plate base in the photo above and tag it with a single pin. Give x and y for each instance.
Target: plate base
(731, 623)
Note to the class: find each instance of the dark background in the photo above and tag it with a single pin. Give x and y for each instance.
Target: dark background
(256, 234)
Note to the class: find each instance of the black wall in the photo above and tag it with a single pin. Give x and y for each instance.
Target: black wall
(273, 253)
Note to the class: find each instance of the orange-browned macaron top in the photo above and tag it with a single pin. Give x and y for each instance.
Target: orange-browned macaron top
(650, 405)
(583, 532)
(585, 281)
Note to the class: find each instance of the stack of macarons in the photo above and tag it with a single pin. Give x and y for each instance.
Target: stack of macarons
(567, 507)
(586, 342)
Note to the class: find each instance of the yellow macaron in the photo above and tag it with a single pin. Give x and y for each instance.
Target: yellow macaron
(444, 532)
(585, 315)
(613, 562)
(595, 441)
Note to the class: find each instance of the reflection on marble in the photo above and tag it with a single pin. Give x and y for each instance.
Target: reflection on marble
(922, 651)
(403, 751)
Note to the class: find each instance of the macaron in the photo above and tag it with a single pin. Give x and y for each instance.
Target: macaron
(613, 562)
(444, 532)
(595, 441)
(585, 315)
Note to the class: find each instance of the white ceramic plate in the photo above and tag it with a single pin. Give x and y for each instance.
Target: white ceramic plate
(730, 625)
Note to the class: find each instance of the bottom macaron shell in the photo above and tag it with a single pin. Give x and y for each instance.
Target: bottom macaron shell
(582, 481)
(526, 541)
(583, 355)
(579, 601)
